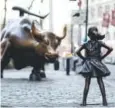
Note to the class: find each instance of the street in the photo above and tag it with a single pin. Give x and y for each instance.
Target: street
(57, 90)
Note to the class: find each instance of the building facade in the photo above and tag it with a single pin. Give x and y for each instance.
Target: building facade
(101, 13)
(61, 11)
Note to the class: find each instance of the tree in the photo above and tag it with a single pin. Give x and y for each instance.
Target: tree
(31, 5)
(5, 11)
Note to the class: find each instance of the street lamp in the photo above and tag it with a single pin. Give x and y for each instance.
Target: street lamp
(76, 14)
(86, 19)
(86, 22)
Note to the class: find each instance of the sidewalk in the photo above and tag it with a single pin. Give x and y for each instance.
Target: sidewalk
(56, 91)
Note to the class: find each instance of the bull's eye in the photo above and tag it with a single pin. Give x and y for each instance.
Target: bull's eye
(56, 41)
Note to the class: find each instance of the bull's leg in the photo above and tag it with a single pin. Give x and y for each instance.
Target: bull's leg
(35, 75)
(42, 72)
(4, 63)
(5, 55)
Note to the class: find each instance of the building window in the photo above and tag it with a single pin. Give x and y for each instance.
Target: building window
(114, 36)
(72, 0)
(107, 36)
(92, 12)
(107, 8)
(100, 11)
(92, 0)
(114, 6)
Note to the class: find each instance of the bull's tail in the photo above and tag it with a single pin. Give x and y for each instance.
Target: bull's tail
(5, 44)
(64, 32)
(30, 13)
(2, 34)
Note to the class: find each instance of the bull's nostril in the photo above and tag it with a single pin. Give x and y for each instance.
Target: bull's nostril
(51, 56)
(56, 55)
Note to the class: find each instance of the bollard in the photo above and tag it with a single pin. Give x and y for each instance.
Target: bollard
(56, 65)
(68, 66)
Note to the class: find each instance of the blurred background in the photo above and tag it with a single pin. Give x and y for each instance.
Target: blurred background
(79, 15)
(58, 89)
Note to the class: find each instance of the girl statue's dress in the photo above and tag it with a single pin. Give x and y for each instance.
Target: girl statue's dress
(92, 65)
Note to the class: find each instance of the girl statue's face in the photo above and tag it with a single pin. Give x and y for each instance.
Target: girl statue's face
(94, 34)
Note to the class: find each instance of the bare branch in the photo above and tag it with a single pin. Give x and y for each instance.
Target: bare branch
(31, 5)
(42, 1)
(5, 10)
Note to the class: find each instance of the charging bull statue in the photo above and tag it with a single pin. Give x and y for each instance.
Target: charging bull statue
(26, 45)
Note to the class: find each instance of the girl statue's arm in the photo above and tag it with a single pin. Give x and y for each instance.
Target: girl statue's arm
(108, 52)
(78, 52)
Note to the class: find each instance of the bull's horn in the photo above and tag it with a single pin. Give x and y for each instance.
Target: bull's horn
(36, 33)
(64, 32)
(22, 10)
(34, 30)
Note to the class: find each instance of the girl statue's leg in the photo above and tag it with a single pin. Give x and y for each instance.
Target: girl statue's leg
(102, 89)
(86, 89)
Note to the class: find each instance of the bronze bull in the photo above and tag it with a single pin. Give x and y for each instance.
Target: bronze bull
(27, 46)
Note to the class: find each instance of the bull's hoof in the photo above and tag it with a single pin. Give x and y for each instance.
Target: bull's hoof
(42, 74)
(35, 77)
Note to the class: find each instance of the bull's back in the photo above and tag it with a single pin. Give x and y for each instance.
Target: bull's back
(17, 28)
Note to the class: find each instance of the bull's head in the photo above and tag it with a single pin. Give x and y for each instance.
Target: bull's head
(48, 42)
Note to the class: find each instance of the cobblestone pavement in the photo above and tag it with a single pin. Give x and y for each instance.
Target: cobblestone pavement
(57, 90)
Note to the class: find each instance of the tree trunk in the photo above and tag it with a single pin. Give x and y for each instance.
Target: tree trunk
(5, 11)
(31, 5)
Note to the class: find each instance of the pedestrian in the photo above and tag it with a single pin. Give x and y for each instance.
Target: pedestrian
(92, 63)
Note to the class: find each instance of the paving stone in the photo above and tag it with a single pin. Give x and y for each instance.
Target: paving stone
(57, 90)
